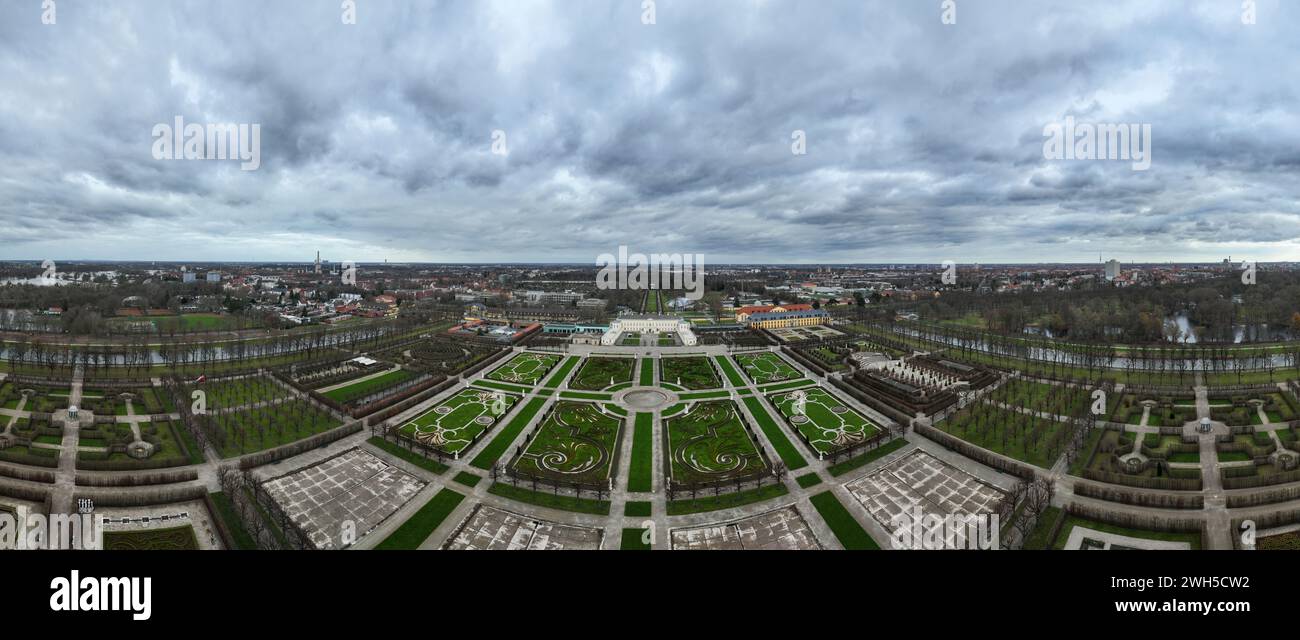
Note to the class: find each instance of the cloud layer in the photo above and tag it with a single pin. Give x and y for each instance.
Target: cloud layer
(924, 140)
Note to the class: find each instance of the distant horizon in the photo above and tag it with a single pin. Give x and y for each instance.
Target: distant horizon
(593, 265)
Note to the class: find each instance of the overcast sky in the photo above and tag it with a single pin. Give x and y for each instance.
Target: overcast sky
(924, 140)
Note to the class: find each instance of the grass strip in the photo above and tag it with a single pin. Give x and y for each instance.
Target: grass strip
(772, 430)
(641, 469)
(420, 526)
(495, 449)
(842, 524)
(550, 500)
(428, 464)
(561, 373)
(842, 468)
(726, 500)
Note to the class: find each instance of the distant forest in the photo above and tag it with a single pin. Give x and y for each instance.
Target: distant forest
(1216, 311)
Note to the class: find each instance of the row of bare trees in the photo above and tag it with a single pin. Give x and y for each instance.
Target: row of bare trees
(250, 505)
(138, 354)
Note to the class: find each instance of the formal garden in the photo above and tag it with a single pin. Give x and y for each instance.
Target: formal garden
(576, 443)
(709, 443)
(766, 367)
(456, 423)
(525, 368)
(825, 423)
(597, 373)
(691, 372)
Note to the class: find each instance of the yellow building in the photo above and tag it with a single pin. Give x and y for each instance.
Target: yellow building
(785, 319)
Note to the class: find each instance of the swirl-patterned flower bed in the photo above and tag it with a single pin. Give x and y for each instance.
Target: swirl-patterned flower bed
(710, 443)
(825, 423)
(459, 421)
(576, 443)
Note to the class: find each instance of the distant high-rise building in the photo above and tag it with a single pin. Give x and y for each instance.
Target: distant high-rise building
(1112, 269)
(318, 262)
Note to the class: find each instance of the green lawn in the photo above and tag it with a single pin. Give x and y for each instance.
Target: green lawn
(632, 540)
(416, 459)
(416, 530)
(784, 448)
(808, 480)
(549, 500)
(883, 450)
(468, 479)
(501, 386)
(561, 372)
(642, 466)
(637, 509)
(730, 371)
(647, 372)
(726, 501)
(781, 386)
(842, 524)
(495, 449)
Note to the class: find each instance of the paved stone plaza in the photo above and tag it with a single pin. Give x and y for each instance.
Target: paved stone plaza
(354, 485)
(779, 529)
(922, 480)
(489, 528)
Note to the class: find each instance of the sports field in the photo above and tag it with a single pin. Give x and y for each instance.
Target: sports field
(825, 423)
(692, 372)
(576, 443)
(766, 367)
(458, 421)
(597, 373)
(525, 368)
(710, 443)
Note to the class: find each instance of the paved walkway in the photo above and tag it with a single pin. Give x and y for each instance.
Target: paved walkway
(61, 499)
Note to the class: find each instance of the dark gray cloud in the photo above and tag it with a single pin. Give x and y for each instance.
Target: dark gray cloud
(924, 140)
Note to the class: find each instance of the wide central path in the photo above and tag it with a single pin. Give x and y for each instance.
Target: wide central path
(65, 479)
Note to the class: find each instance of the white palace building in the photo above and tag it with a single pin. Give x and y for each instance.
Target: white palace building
(648, 324)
